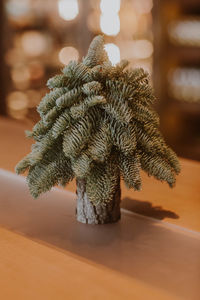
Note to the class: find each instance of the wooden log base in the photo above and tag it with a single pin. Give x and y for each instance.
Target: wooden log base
(89, 213)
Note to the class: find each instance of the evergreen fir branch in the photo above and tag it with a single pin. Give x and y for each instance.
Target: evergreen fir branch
(36, 155)
(171, 157)
(51, 115)
(155, 166)
(94, 100)
(145, 114)
(92, 88)
(44, 176)
(64, 170)
(95, 74)
(102, 72)
(151, 140)
(81, 165)
(143, 94)
(109, 71)
(40, 149)
(122, 65)
(96, 54)
(39, 129)
(76, 71)
(76, 137)
(119, 110)
(121, 89)
(49, 100)
(57, 81)
(68, 99)
(136, 76)
(61, 124)
(30, 134)
(80, 110)
(123, 137)
(101, 182)
(23, 165)
(100, 144)
(130, 170)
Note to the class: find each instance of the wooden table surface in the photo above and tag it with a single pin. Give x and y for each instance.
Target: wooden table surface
(31, 271)
(45, 254)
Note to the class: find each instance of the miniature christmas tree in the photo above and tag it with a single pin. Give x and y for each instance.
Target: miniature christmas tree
(97, 125)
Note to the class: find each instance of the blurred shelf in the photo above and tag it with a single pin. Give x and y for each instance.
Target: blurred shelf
(192, 108)
(177, 73)
(186, 54)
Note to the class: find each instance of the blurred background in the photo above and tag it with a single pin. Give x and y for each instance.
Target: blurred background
(39, 37)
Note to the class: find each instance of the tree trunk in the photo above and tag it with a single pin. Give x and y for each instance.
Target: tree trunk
(89, 213)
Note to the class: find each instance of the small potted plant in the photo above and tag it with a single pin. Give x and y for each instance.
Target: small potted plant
(97, 125)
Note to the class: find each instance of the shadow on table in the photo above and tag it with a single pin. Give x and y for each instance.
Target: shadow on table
(151, 251)
(146, 208)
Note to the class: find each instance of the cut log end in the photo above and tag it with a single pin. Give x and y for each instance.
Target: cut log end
(89, 213)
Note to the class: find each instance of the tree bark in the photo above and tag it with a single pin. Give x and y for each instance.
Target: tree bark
(89, 213)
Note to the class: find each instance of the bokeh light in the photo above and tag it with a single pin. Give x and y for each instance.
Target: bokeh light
(185, 84)
(33, 43)
(142, 49)
(110, 6)
(41, 41)
(143, 6)
(110, 24)
(113, 53)
(20, 76)
(109, 20)
(137, 50)
(68, 53)
(185, 32)
(68, 9)
(16, 8)
(17, 103)
(128, 19)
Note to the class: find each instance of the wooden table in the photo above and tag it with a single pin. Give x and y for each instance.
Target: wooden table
(46, 254)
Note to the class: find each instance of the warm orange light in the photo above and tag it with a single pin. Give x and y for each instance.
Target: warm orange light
(17, 104)
(20, 74)
(68, 53)
(33, 43)
(142, 49)
(139, 49)
(143, 6)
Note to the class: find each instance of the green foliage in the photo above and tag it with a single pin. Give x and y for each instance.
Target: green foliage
(102, 180)
(97, 123)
